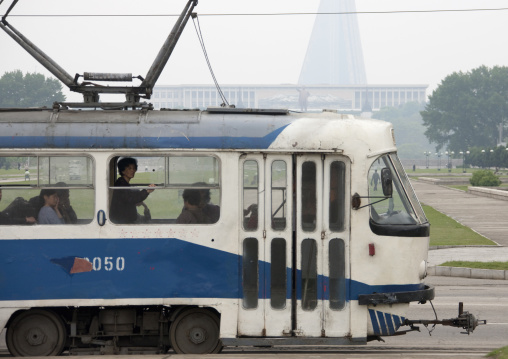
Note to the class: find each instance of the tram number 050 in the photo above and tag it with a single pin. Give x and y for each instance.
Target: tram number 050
(107, 263)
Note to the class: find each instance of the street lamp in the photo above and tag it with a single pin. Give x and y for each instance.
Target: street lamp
(490, 158)
(439, 154)
(483, 158)
(427, 154)
(464, 160)
(450, 160)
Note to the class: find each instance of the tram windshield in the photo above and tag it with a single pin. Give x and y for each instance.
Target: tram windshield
(403, 206)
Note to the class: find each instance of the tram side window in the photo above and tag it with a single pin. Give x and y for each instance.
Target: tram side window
(279, 195)
(250, 195)
(47, 190)
(337, 196)
(165, 189)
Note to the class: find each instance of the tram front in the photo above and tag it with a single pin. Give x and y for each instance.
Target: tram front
(389, 256)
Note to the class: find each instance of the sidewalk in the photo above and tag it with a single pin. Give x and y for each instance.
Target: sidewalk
(484, 215)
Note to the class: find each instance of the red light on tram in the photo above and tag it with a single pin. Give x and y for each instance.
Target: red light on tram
(372, 249)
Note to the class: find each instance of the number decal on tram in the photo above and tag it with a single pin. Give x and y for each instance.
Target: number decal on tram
(110, 263)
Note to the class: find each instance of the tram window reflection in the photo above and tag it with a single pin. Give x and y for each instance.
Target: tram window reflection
(70, 177)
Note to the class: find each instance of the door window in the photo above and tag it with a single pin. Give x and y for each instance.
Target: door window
(337, 196)
(278, 273)
(250, 273)
(279, 193)
(309, 274)
(250, 195)
(308, 204)
(337, 268)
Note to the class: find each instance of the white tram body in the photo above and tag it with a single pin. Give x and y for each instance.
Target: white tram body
(329, 258)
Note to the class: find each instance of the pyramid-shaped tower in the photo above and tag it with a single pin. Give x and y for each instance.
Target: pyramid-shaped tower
(334, 54)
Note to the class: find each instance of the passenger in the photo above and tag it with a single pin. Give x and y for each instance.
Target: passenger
(64, 204)
(192, 213)
(18, 212)
(49, 213)
(123, 204)
(252, 221)
(212, 211)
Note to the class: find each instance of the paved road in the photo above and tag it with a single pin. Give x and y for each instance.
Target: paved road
(487, 216)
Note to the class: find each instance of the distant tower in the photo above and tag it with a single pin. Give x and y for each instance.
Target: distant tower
(334, 55)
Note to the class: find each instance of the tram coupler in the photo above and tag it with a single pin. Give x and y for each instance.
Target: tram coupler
(465, 320)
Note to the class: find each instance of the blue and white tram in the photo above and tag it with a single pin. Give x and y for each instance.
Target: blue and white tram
(320, 238)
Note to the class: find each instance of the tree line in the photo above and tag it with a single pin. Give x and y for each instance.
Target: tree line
(29, 90)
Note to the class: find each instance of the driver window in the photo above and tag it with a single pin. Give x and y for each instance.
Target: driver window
(394, 210)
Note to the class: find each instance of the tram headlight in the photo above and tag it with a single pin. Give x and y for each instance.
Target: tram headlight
(423, 269)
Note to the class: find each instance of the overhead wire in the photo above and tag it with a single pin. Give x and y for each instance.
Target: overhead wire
(269, 14)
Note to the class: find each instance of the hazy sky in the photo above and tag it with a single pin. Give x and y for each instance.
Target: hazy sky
(399, 48)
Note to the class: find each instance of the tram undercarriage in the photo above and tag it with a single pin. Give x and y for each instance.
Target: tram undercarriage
(153, 330)
(121, 330)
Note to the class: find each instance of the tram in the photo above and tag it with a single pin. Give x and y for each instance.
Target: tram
(244, 227)
(307, 249)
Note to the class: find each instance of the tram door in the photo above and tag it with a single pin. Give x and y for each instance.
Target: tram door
(265, 245)
(294, 245)
(322, 245)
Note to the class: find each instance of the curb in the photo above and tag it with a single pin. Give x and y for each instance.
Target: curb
(467, 272)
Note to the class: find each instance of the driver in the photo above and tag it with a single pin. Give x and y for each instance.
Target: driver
(123, 204)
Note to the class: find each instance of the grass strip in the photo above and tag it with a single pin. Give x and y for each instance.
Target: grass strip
(445, 231)
(477, 265)
(461, 187)
(501, 353)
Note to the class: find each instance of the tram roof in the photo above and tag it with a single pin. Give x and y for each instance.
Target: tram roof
(242, 129)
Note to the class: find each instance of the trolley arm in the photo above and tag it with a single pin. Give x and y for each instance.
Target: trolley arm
(90, 90)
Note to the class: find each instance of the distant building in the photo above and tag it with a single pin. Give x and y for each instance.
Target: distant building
(332, 76)
(346, 98)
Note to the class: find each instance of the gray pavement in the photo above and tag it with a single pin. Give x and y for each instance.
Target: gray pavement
(487, 216)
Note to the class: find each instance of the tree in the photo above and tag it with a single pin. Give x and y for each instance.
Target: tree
(30, 90)
(467, 108)
(408, 128)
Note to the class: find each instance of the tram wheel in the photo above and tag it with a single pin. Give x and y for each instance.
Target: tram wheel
(196, 331)
(36, 333)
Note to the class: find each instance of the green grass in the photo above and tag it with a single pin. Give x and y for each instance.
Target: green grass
(409, 170)
(445, 231)
(479, 265)
(501, 353)
(461, 187)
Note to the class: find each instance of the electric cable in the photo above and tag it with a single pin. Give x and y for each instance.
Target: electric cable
(202, 42)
